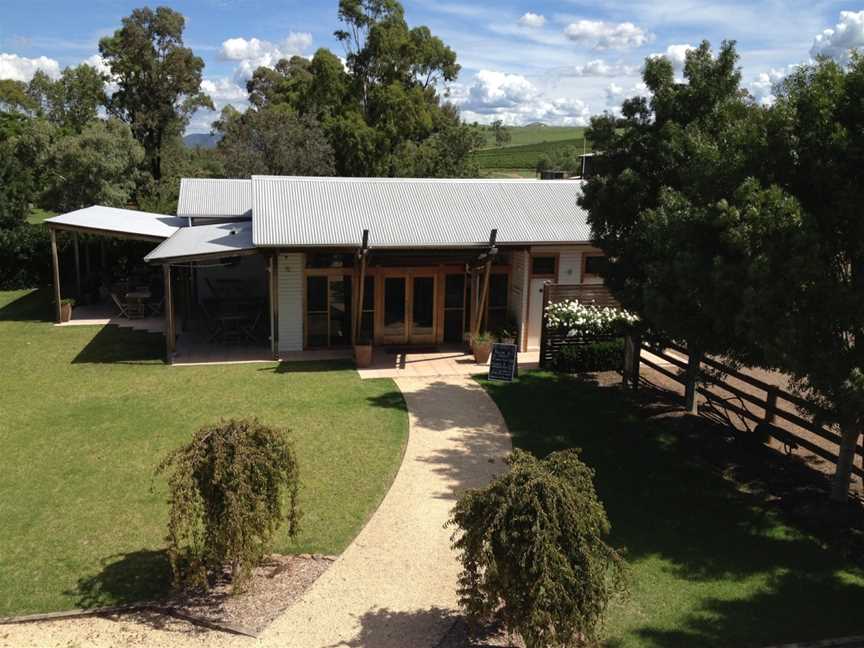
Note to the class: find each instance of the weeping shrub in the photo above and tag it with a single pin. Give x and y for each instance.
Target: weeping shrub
(227, 491)
(533, 553)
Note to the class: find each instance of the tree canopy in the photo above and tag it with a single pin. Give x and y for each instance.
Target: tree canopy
(70, 102)
(158, 79)
(381, 112)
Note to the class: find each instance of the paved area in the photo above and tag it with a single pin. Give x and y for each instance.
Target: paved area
(100, 315)
(418, 364)
(395, 585)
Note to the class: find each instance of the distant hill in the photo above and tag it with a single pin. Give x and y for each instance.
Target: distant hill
(535, 134)
(527, 144)
(202, 140)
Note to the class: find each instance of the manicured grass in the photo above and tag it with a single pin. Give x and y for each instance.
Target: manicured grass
(715, 562)
(88, 412)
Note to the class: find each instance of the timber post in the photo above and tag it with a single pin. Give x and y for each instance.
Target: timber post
(484, 294)
(170, 341)
(77, 266)
(694, 359)
(361, 285)
(632, 359)
(55, 267)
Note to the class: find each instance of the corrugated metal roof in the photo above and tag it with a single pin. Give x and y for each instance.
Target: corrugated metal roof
(211, 198)
(120, 221)
(403, 213)
(221, 239)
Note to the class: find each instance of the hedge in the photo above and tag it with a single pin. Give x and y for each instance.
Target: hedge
(605, 355)
(25, 257)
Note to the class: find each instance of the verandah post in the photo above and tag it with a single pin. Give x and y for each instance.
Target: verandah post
(170, 342)
(632, 359)
(55, 263)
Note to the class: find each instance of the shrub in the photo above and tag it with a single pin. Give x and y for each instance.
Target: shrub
(582, 320)
(25, 257)
(533, 553)
(601, 355)
(227, 488)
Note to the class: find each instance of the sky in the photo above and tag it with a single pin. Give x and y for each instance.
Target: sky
(557, 62)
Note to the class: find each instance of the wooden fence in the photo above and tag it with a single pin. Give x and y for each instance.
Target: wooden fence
(774, 406)
(553, 340)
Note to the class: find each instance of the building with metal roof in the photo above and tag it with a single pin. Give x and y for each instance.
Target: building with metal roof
(323, 262)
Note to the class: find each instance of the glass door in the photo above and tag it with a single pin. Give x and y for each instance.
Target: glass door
(394, 326)
(422, 310)
(454, 308)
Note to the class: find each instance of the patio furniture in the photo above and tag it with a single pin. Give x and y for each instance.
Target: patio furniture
(136, 303)
(232, 326)
(155, 307)
(251, 326)
(121, 307)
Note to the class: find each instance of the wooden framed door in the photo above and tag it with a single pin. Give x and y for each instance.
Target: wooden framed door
(394, 309)
(423, 309)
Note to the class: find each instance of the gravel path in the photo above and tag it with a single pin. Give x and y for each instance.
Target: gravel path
(395, 585)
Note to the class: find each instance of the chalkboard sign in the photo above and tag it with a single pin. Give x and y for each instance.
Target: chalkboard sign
(503, 363)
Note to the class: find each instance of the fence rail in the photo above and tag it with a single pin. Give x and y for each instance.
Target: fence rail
(552, 341)
(769, 404)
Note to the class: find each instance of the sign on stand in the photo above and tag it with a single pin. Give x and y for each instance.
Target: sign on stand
(504, 362)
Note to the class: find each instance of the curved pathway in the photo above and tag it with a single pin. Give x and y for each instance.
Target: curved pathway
(395, 585)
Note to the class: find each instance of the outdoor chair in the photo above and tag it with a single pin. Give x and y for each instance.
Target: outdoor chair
(251, 326)
(121, 307)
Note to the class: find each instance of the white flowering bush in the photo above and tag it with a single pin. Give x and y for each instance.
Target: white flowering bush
(587, 320)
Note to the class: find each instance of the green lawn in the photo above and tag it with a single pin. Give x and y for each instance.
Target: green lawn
(715, 561)
(535, 134)
(88, 412)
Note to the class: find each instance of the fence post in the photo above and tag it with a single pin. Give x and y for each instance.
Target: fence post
(771, 404)
(694, 359)
(632, 357)
(544, 339)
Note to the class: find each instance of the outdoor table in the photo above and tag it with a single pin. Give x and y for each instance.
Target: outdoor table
(231, 326)
(135, 300)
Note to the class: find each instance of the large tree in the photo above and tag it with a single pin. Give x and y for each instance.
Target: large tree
(382, 112)
(809, 316)
(158, 79)
(72, 101)
(275, 141)
(99, 166)
(669, 205)
(23, 145)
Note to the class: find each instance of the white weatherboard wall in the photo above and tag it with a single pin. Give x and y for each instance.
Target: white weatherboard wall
(570, 266)
(290, 292)
(518, 300)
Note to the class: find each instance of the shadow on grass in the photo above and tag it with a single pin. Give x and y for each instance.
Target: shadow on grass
(310, 366)
(116, 345)
(683, 490)
(126, 579)
(34, 306)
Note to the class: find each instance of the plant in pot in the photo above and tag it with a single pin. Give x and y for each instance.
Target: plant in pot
(66, 305)
(481, 344)
(363, 350)
(508, 333)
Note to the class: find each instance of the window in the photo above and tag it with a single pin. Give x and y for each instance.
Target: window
(329, 260)
(543, 265)
(594, 265)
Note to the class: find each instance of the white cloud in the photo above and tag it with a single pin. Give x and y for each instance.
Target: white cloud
(254, 53)
(96, 61)
(603, 35)
(762, 87)
(19, 68)
(677, 55)
(845, 35)
(535, 21)
(599, 68)
(224, 91)
(515, 100)
(616, 94)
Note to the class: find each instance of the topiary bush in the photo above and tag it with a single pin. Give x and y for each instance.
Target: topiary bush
(227, 488)
(602, 355)
(533, 551)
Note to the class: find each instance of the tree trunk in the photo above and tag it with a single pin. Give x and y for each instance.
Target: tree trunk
(849, 434)
(690, 387)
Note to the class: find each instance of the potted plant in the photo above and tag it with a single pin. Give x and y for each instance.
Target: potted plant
(508, 333)
(481, 344)
(66, 305)
(363, 351)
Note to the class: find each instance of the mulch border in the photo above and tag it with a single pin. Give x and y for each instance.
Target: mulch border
(167, 610)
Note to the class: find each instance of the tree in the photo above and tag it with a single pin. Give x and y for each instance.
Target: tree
(158, 79)
(382, 112)
(533, 551)
(23, 145)
(14, 97)
(810, 315)
(99, 166)
(665, 201)
(500, 132)
(227, 488)
(275, 141)
(72, 101)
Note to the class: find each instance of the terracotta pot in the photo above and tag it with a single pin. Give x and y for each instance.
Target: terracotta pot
(363, 354)
(65, 312)
(481, 352)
